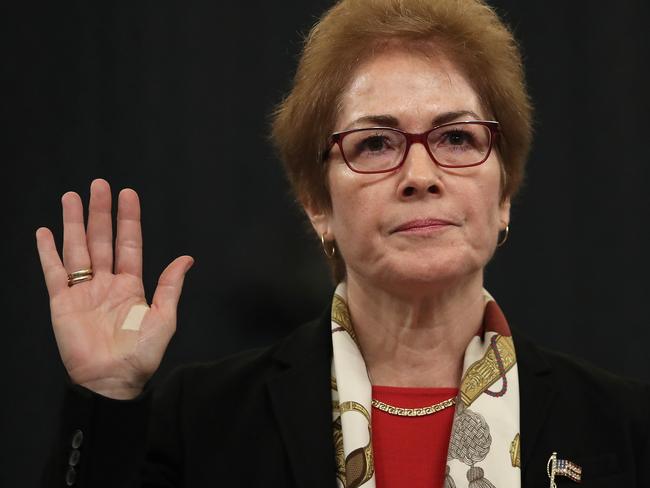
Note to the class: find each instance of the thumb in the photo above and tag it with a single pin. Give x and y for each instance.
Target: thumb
(170, 284)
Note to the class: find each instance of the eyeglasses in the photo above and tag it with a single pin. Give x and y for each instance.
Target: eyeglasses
(383, 149)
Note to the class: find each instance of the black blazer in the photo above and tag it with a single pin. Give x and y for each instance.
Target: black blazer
(263, 418)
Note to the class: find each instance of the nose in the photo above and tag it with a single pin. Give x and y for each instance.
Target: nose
(420, 175)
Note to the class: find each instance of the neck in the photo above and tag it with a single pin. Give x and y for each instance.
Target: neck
(416, 340)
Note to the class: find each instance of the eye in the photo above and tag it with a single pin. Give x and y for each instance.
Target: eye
(463, 144)
(373, 148)
(374, 143)
(458, 137)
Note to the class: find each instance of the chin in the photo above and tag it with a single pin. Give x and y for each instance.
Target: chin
(422, 274)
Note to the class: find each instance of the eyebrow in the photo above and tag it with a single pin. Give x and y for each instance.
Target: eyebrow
(385, 120)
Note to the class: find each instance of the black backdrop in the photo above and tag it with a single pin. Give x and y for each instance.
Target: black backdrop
(172, 99)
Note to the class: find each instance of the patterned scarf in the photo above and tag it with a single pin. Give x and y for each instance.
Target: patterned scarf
(484, 443)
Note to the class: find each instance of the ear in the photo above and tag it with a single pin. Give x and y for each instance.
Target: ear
(320, 219)
(504, 213)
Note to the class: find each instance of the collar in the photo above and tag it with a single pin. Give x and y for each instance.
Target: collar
(300, 395)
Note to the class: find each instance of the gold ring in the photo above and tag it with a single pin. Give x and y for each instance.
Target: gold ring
(80, 276)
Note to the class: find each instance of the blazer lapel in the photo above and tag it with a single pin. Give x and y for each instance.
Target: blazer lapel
(301, 398)
(537, 394)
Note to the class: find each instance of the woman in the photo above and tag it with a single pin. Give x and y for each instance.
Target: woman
(404, 137)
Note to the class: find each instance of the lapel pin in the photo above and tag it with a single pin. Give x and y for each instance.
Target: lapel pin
(562, 467)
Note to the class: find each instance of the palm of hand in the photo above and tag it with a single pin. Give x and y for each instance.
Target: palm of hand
(88, 318)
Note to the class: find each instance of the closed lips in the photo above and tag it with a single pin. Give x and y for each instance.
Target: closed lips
(422, 224)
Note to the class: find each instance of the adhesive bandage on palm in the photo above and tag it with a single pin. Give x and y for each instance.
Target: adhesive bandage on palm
(133, 319)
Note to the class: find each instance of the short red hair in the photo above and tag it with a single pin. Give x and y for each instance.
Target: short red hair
(467, 32)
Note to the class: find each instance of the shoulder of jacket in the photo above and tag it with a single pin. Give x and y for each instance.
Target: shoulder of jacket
(586, 373)
(251, 366)
(601, 392)
(567, 368)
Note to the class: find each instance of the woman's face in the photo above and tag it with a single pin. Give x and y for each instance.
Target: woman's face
(420, 225)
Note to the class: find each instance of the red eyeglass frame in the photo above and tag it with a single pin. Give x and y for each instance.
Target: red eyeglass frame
(337, 138)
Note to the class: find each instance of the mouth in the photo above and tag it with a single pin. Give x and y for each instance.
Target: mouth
(423, 225)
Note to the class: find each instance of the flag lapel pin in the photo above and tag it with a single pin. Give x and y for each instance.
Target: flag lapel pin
(562, 467)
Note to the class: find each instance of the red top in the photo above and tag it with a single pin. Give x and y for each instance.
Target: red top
(411, 451)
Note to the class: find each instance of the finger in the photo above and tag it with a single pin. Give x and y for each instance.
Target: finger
(56, 278)
(128, 245)
(75, 249)
(170, 285)
(100, 226)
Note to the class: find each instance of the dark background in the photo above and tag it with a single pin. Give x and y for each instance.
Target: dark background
(172, 99)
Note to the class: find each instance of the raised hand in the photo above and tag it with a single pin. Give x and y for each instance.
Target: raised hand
(110, 341)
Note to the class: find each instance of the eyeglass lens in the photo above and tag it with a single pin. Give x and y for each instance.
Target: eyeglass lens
(451, 145)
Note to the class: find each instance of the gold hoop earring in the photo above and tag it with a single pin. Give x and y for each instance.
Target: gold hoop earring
(505, 237)
(332, 251)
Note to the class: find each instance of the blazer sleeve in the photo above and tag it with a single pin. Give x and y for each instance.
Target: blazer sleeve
(104, 443)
